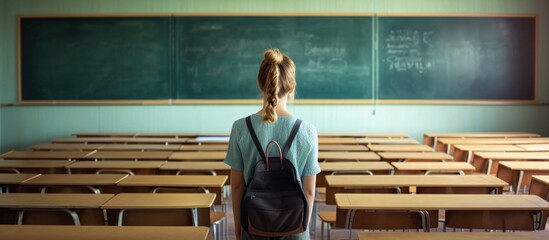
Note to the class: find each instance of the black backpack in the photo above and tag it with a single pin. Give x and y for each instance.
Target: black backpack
(274, 204)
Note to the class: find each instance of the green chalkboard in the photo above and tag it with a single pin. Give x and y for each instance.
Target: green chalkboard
(219, 57)
(95, 58)
(457, 58)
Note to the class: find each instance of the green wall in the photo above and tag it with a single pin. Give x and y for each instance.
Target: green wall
(23, 126)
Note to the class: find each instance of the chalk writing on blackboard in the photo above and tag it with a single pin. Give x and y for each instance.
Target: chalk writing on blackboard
(409, 50)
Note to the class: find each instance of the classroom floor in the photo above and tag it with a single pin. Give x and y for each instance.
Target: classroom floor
(336, 234)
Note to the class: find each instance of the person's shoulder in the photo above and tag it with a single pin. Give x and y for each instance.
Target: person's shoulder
(308, 129)
(238, 125)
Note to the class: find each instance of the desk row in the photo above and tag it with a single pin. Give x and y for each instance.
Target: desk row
(145, 209)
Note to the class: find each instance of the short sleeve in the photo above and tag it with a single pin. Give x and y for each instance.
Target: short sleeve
(311, 161)
(234, 155)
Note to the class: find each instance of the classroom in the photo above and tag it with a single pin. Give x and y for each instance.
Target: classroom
(160, 82)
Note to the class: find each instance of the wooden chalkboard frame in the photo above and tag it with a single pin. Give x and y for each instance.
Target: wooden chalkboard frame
(78, 102)
(471, 101)
(258, 101)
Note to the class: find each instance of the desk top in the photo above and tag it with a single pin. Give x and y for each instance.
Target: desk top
(486, 148)
(400, 148)
(433, 166)
(336, 140)
(160, 201)
(53, 200)
(152, 155)
(355, 166)
(525, 165)
(342, 147)
(534, 147)
(138, 147)
(493, 140)
(66, 147)
(9, 178)
(207, 147)
(542, 178)
(37, 232)
(387, 141)
(415, 155)
(454, 235)
(440, 201)
(120, 140)
(482, 135)
(174, 181)
(116, 165)
(367, 156)
(104, 134)
(76, 179)
(363, 135)
(415, 180)
(198, 155)
(66, 155)
(188, 165)
(513, 155)
(209, 139)
(35, 163)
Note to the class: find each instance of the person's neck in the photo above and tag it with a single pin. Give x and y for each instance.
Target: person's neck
(280, 109)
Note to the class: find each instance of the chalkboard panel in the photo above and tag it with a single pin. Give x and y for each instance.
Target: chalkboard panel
(95, 58)
(478, 58)
(219, 57)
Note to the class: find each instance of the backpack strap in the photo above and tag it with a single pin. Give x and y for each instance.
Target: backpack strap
(291, 137)
(287, 145)
(254, 137)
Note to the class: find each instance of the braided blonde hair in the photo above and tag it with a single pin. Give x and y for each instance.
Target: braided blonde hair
(276, 78)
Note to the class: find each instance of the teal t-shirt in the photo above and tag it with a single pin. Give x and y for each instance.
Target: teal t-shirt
(243, 155)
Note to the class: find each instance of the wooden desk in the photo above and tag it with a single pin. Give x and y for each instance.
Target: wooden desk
(348, 156)
(487, 162)
(400, 148)
(84, 208)
(431, 138)
(39, 155)
(458, 202)
(198, 156)
(454, 235)
(7, 179)
(104, 134)
(166, 201)
(462, 184)
(534, 147)
(129, 155)
(397, 141)
(121, 140)
(446, 144)
(66, 147)
(146, 183)
(336, 140)
(42, 232)
(465, 153)
(139, 147)
(204, 148)
(363, 135)
(35, 166)
(540, 186)
(328, 168)
(90, 181)
(519, 173)
(128, 167)
(428, 167)
(415, 156)
(215, 167)
(342, 148)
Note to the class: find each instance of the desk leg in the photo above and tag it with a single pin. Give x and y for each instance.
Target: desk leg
(488, 166)
(469, 156)
(519, 181)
